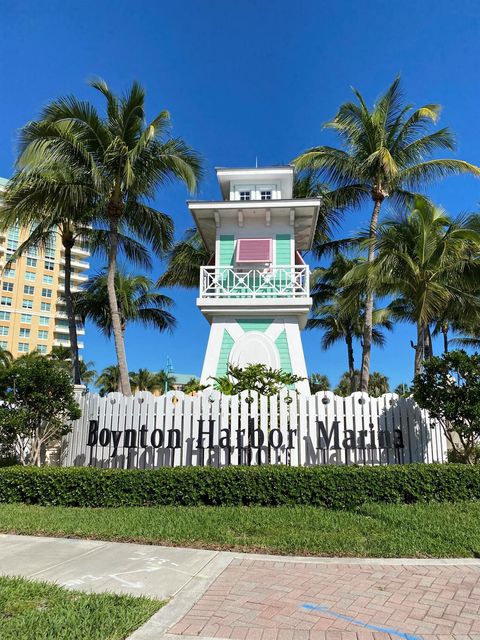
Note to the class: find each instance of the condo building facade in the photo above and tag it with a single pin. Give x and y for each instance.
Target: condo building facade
(32, 312)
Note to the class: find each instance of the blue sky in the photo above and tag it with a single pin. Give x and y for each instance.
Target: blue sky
(245, 79)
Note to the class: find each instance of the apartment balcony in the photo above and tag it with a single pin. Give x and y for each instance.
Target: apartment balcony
(57, 342)
(249, 291)
(59, 328)
(79, 251)
(80, 265)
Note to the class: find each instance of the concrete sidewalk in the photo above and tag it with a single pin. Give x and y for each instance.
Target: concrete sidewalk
(258, 597)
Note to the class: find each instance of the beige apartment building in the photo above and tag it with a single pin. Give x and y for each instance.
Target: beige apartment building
(32, 313)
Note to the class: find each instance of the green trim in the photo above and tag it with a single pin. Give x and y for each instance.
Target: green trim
(282, 345)
(227, 344)
(254, 324)
(227, 250)
(283, 248)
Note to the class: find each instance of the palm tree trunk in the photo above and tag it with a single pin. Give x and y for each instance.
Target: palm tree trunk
(428, 343)
(124, 381)
(419, 349)
(351, 362)
(445, 337)
(368, 328)
(72, 321)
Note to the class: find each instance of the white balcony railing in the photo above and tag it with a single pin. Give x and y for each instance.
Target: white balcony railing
(270, 282)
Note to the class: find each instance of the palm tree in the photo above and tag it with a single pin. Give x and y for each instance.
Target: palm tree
(318, 382)
(429, 262)
(55, 201)
(63, 356)
(339, 313)
(144, 380)
(123, 160)
(192, 386)
(165, 380)
(51, 202)
(6, 358)
(87, 372)
(108, 380)
(185, 260)
(403, 390)
(378, 384)
(387, 153)
(138, 301)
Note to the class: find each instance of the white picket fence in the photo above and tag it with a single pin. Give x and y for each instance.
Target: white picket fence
(211, 429)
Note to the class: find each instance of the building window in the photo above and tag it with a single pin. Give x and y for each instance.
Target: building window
(24, 333)
(12, 238)
(3, 331)
(7, 286)
(42, 334)
(4, 315)
(27, 304)
(47, 279)
(3, 344)
(32, 251)
(26, 318)
(6, 301)
(46, 293)
(45, 306)
(49, 266)
(44, 320)
(266, 195)
(31, 262)
(30, 275)
(23, 347)
(42, 348)
(9, 273)
(28, 289)
(245, 195)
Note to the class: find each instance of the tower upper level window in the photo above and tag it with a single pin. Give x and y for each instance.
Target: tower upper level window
(255, 192)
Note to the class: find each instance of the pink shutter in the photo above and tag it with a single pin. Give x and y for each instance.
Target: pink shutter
(254, 250)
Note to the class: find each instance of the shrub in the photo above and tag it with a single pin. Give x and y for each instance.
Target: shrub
(449, 388)
(326, 486)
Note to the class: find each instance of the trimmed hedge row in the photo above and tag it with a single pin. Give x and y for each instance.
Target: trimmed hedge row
(327, 486)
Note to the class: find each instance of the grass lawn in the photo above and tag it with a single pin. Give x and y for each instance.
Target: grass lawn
(420, 530)
(41, 611)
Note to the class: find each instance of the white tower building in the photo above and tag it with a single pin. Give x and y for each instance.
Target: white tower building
(255, 292)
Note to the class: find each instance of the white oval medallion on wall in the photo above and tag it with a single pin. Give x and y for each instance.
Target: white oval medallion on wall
(255, 348)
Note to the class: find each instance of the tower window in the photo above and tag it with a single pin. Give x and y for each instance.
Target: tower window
(266, 195)
(245, 195)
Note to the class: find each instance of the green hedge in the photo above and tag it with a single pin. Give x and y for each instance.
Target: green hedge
(328, 486)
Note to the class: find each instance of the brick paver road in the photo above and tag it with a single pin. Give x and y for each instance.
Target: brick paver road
(265, 600)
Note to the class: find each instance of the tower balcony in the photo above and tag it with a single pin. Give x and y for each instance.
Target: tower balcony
(270, 282)
(243, 291)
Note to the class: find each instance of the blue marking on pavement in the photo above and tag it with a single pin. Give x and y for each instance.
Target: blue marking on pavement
(360, 623)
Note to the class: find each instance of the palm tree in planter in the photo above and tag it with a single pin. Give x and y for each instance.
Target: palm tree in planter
(338, 311)
(109, 380)
(428, 262)
(124, 160)
(387, 153)
(138, 301)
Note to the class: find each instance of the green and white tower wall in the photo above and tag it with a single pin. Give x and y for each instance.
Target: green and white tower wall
(255, 293)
